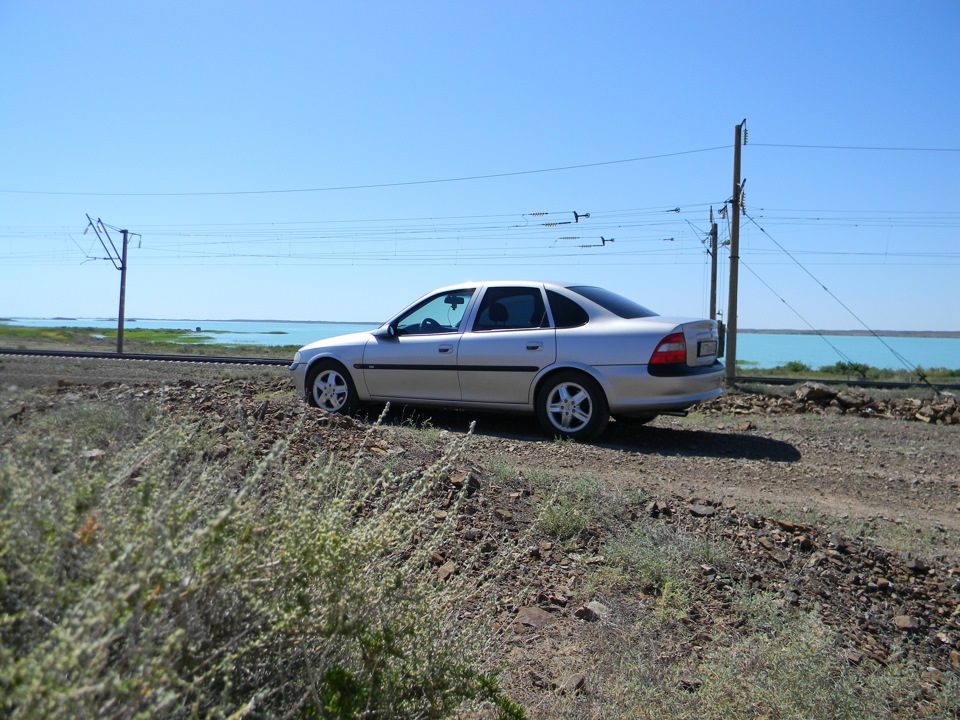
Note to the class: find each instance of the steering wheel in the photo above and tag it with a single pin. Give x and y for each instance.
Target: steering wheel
(429, 325)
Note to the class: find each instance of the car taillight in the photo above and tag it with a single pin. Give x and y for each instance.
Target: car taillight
(672, 349)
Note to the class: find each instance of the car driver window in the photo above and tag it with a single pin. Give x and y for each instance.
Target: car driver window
(440, 314)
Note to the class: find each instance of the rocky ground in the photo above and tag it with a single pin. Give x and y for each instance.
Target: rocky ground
(846, 504)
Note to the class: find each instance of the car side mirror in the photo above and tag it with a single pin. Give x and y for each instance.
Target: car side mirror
(388, 331)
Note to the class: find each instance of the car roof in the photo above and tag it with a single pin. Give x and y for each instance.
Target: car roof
(501, 283)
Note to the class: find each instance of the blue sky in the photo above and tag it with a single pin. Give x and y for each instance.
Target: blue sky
(335, 160)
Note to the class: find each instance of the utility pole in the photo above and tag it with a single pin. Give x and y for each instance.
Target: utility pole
(123, 292)
(731, 350)
(713, 267)
(119, 261)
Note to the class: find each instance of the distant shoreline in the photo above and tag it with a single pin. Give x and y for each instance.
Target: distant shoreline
(863, 333)
(740, 331)
(268, 320)
(202, 320)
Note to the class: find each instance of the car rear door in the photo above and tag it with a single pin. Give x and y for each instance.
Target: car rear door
(509, 342)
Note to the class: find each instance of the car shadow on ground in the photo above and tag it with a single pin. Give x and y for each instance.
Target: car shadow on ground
(652, 439)
(646, 440)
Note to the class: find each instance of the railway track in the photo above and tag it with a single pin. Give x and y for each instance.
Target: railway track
(212, 359)
(889, 384)
(227, 360)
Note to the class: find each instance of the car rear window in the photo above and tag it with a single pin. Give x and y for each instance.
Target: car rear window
(617, 304)
(566, 313)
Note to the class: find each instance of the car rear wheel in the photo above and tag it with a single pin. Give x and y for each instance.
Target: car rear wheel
(571, 405)
(330, 387)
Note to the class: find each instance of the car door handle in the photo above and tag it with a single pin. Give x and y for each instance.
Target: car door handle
(445, 349)
(534, 346)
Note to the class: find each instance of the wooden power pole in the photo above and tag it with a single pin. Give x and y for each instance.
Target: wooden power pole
(713, 267)
(731, 350)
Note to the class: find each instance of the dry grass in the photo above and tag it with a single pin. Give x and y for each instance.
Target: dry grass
(142, 573)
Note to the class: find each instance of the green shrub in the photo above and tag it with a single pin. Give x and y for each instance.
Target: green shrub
(575, 506)
(794, 366)
(502, 472)
(165, 583)
(848, 369)
(657, 557)
(785, 665)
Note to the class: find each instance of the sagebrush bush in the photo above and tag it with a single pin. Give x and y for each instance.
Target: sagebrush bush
(657, 555)
(165, 582)
(574, 506)
(786, 665)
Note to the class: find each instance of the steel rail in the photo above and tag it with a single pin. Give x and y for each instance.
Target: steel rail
(223, 360)
(890, 384)
(146, 356)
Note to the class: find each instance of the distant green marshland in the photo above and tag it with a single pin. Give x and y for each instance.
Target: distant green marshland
(135, 340)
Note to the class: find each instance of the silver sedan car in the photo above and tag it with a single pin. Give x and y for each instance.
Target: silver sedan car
(573, 355)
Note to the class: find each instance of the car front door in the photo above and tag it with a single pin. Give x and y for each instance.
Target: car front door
(417, 358)
(509, 342)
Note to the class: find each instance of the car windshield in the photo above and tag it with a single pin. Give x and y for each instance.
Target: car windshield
(617, 304)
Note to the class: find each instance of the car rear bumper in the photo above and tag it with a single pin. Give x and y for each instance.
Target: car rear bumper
(633, 389)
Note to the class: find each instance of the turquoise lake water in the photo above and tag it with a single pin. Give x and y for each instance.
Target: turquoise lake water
(767, 351)
(757, 349)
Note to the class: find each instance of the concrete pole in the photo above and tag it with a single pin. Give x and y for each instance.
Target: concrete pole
(123, 292)
(731, 353)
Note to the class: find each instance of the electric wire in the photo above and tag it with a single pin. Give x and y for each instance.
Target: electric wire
(796, 312)
(370, 186)
(854, 147)
(906, 363)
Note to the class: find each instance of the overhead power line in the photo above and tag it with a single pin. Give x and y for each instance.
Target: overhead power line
(368, 186)
(797, 313)
(465, 178)
(855, 147)
(906, 363)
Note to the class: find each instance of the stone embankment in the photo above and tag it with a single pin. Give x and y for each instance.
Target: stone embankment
(815, 397)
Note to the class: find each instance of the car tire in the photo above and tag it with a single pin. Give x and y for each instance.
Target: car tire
(330, 387)
(572, 406)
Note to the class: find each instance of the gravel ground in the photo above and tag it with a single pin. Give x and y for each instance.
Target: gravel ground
(798, 457)
(820, 500)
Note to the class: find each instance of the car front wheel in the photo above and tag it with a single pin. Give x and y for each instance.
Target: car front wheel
(571, 405)
(330, 388)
